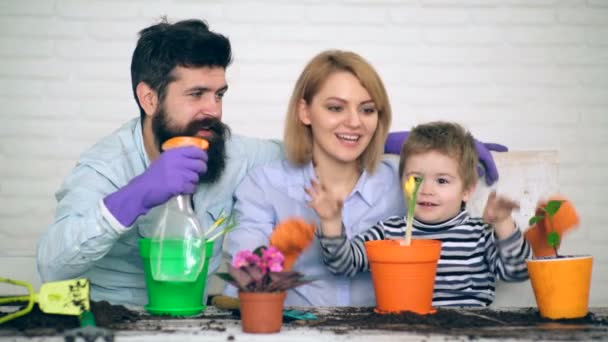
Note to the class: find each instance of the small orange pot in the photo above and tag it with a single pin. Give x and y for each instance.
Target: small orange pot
(561, 285)
(403, 276)
(261, 312)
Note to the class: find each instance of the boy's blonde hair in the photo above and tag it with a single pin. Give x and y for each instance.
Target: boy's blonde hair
(447, 138)
(298, 136)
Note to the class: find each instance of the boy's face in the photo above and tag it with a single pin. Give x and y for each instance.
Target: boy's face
(442, 190)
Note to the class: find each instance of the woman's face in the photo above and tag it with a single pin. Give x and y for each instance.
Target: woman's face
(343, 118)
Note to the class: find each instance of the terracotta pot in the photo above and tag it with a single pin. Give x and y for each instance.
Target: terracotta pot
(403, 276)
(561, 285)
(262, 312)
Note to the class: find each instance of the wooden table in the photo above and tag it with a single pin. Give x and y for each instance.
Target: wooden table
(349, 324)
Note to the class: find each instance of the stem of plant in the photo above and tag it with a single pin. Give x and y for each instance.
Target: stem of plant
(553, 229)
(408, 230)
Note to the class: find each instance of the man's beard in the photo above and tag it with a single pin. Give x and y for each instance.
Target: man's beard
(164, 130)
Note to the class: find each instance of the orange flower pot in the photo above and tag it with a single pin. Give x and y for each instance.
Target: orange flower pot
(561, 285)
(262, 312)
(403, 276)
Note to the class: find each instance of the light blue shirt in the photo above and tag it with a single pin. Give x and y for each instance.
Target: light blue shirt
(85, 240)
(275, 192)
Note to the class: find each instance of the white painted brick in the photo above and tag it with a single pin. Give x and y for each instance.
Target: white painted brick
(45, 108)
(93, 69)
(438, 76)
(47, 28)
(343, 33)
(116, 31)
(38, 168)
(544, 35)
(590, 16)
(513, 16)
(261, 14)
(27, 7)
(24, 207)
(65, 150)
(597, 3)
(86, 89)
(12, 47)
(463, 35)
(584, 55)
(460, 3)
(30, 68)
(210, 11)
(94, 50)
(335, 14)
(19, 88)
(526, 3)
(597, 36)
(97, 9)
(261, 72)
(18, 189)
(20, 268)
(428, 16)
(594, 115)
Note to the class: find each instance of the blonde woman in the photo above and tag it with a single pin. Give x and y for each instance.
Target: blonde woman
(336, 125)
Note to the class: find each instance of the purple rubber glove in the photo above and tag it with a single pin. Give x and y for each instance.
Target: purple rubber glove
(487, 167)
(175, 172)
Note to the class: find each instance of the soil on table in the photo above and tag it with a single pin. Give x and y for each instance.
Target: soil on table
(519, 323)
(37, 322)
(475, 323)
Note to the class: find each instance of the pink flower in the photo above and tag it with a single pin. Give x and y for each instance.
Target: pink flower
(245, 258)
(273, 259)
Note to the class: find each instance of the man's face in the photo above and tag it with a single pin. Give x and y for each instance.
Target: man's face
(193, 107)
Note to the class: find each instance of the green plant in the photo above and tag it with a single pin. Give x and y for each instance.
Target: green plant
(261, 270)
(227, 224)
(549, 210)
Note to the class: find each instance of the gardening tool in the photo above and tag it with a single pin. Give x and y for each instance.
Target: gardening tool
(67, 297)
(88, 330)
(292, 237)
(564, 220)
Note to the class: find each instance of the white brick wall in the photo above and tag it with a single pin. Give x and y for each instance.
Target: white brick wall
(530, 74)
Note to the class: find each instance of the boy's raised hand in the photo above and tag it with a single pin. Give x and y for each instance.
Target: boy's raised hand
(328, 207)
(498, 212)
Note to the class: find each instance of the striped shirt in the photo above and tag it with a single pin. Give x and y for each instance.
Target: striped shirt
(471, 260)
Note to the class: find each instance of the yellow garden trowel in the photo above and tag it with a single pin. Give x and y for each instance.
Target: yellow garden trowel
(67, 297)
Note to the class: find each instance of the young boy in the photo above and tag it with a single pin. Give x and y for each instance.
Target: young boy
(474, 251)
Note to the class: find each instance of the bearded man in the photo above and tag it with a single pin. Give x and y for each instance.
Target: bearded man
(106, 203)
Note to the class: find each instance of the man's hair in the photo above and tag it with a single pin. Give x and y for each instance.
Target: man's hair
(298, 136)
(164, 46)
(447, 138)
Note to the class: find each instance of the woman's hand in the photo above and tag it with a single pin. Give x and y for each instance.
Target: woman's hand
(328, 207)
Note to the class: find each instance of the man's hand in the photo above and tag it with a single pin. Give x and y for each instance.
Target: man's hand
(498, 212)
(175, 172)
(328, 207)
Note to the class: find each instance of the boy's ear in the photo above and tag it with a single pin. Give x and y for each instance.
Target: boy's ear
(468, 193)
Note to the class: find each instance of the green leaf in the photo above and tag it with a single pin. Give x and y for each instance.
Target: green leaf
(553, 206)
(553, 239)
(535, 219)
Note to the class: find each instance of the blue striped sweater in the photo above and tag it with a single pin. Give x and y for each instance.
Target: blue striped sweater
(471, 260)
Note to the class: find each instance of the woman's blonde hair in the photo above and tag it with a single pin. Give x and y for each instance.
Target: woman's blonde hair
(298, 136)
